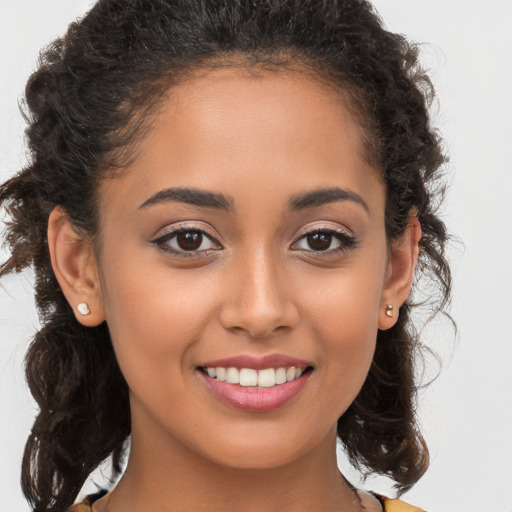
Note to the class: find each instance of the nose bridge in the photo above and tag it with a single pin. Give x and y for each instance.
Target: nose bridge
(259, 300)
(262, 280)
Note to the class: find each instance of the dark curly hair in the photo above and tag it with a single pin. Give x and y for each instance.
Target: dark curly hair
(87, 106)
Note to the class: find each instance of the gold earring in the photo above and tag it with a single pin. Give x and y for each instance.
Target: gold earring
(83, 309)
(389, 310)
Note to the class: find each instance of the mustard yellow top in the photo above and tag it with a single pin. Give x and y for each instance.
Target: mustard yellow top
(389, 505)
(398, 506)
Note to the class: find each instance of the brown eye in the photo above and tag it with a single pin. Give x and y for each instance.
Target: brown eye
(319, 241)
(327, 241)
(189, 240)
(184, 241)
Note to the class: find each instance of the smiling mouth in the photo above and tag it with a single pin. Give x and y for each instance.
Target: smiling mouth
(249, 377)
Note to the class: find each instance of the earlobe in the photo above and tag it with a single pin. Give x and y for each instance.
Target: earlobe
(400, 273)
(75, 267)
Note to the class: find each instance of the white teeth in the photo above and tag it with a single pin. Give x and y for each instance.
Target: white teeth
(266, 378)
(290, 374)
(233, 376)
(248, 377)
(280, 375)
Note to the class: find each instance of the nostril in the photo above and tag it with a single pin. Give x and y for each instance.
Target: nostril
(256, 326)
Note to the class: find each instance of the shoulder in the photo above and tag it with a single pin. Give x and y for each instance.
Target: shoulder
(396, 506)
(86, 504)
(83, 506)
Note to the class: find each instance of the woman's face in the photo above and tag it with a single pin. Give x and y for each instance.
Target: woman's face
(247, 234)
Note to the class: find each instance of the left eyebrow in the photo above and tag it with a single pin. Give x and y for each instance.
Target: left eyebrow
(324, 196)
(192, 196)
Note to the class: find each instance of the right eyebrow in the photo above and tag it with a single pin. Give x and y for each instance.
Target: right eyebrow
(194, 196)
(322, 196)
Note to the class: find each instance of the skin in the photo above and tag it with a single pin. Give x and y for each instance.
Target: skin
(257, 287)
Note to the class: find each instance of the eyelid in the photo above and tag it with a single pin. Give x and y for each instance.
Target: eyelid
(323, 226)
(171, 231)
(347, 239)
(187, 226)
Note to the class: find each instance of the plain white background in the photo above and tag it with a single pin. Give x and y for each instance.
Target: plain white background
(467, 412)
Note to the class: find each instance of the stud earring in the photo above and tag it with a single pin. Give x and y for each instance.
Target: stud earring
(83, 309)
(389, 310)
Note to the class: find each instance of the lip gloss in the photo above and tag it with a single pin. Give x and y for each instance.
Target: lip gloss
(253, 398)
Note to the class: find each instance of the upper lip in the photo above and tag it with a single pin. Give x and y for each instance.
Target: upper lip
(257, 363)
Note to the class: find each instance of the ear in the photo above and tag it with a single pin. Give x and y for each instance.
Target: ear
(399, 274)
(74, 264)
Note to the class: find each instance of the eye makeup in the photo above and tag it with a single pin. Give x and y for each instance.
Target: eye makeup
(324, 240)
(187, 241)
(191, 241)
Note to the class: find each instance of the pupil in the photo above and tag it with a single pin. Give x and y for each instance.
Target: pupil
(189, 240)
(319, 241)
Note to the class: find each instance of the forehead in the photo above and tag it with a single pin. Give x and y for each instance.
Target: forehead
(235, 105)
(252, 131)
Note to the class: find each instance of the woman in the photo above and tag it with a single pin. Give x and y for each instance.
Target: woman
(226, 207)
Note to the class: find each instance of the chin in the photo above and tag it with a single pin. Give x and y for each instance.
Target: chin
(263, 449)
(255, 459)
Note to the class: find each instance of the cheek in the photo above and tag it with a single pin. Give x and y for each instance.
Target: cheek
(155, 317)
(348, 335)
(343, 310)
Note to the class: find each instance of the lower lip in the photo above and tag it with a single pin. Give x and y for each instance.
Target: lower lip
(255, 399)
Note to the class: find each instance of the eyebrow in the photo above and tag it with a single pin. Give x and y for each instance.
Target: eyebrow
(197, 197)
(192, 196)
(323, 196)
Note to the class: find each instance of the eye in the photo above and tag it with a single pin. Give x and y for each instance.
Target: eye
(320, 241)
(186, 241)
(325, 240)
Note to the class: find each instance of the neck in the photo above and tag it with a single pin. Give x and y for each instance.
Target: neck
(167, 476)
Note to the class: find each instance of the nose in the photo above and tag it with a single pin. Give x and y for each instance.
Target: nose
(258, 302)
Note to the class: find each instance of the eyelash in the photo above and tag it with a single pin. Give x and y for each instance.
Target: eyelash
(162, 242)
(346, 242)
